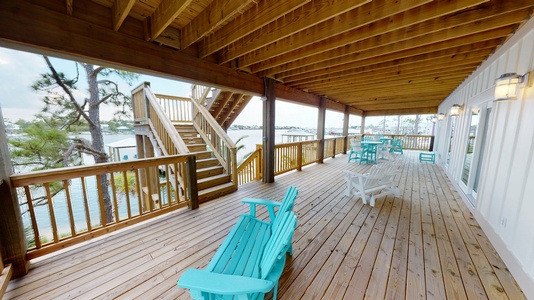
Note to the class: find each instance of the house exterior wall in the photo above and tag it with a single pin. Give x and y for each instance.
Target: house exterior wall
(504, 205)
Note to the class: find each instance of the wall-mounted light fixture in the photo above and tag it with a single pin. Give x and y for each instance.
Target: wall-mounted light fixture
(455, 110)
(475, 111)
(506, 85)
(434, 119)
(441, 116)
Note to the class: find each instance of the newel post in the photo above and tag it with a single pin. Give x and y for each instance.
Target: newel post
(192, 185)
(13, 244)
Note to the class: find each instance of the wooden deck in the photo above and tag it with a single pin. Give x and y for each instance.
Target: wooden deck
(425, 244)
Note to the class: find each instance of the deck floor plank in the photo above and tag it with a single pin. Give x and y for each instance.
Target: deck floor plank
(423, 244)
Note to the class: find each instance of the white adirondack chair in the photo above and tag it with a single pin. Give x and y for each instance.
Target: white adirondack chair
(375, 184)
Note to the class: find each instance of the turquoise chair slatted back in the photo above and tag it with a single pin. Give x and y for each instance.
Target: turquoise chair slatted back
(279, 242)
(289, 199)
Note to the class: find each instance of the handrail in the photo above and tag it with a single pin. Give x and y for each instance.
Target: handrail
(76, 212)
(215, 137)
(251, 168)
(199, 93)
(169, 134)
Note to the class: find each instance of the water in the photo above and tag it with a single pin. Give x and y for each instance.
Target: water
(60, 206)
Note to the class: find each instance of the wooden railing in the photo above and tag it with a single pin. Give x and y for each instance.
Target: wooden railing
(334, 146)
(251, 168)
(62, 207)
(411, 142)
(199, 93)
(178, 109)
(213, 135)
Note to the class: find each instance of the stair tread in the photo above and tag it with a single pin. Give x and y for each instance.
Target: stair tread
(214, 177)
(210, 168)
(216, 188)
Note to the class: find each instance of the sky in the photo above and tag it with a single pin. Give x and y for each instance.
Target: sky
(19, 70)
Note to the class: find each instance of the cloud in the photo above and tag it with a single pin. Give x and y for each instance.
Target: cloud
(18, 71)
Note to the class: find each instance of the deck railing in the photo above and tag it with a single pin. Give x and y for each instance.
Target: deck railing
(251, 168)
(65, 206)
(293, 156)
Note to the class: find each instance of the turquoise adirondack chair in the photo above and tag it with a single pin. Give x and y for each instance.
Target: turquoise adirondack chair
(256, 270)
(396, 146)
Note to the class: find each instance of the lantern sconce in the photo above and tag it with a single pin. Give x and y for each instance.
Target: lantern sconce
(455, 110)
(475, 111)
(434, 119)
(441, 116)
(506, 85)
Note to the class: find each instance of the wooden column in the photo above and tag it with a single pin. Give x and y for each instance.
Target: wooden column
(268, 129)
(346, 128)
(12, 239)
(362, 125)
(320, 129)
(192, 183)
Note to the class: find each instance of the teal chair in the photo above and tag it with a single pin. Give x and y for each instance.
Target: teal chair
(396, 146)
(356, 152)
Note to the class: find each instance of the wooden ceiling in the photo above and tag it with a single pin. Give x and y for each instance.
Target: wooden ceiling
(376, 56)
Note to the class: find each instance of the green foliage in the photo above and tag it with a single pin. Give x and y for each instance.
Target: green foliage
(41, 147)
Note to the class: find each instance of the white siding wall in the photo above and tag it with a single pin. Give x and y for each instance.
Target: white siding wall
(505, 201)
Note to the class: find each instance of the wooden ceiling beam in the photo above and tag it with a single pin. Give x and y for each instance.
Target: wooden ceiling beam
(411, 37)
(394, 73)
(34, 28)
(437, 88)
(418, 55)
(402, 111)
(411, 104)
(404, 101)
(165, 14)
(119, 11)
(373, 100)
(69, 5)
(417, 45)
(413, 84)
(218, 12)
(392, 18)
(331, 29)
(258, 16)
(304, 17)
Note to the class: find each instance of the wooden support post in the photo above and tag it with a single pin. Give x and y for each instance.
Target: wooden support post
(192, 185)
(268, 129)
(362, 125)
(320, 129)
(13, 244)
(346, 117)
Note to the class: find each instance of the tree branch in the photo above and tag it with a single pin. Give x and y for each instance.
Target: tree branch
(104, 99)
(66, 90)
(98, 70)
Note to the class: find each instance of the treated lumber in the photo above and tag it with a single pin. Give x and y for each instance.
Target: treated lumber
(304, 17)
(351, 21)
(423, 54)
(375, 18)
(165, 14)
(434, 42)
(119, 11)
(260, 15)
(217, 13)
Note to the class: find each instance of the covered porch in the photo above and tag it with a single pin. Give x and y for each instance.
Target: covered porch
(424, 244)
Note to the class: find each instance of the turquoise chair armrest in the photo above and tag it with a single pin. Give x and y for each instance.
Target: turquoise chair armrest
(270, 204)
(222, 284)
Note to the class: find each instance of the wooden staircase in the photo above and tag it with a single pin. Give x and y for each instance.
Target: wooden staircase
(213, 182)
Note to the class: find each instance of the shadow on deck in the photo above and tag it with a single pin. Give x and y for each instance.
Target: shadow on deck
(424, 244)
